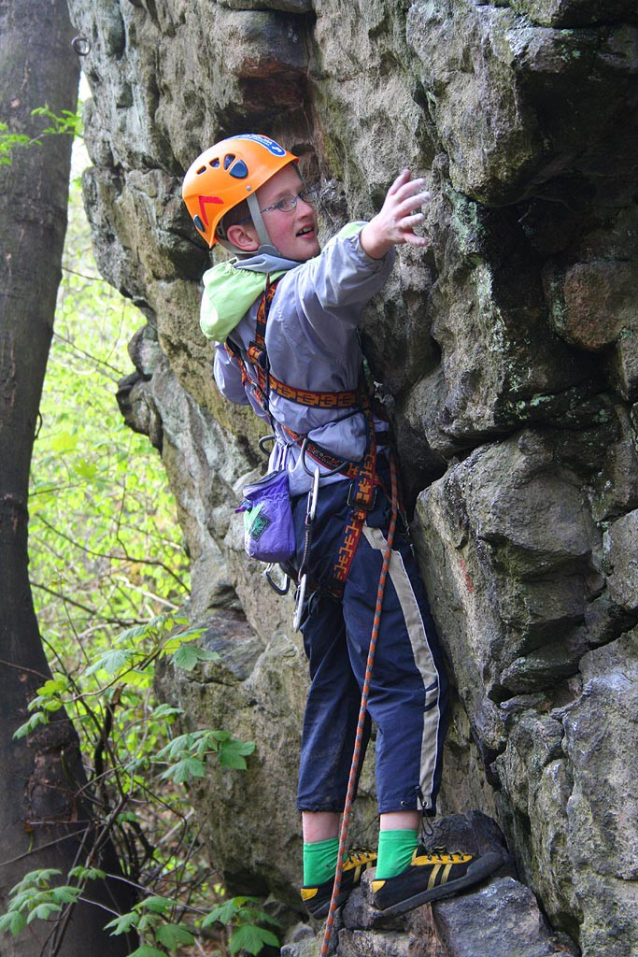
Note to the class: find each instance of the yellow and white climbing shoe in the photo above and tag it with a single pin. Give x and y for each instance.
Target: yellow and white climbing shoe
(431, 876)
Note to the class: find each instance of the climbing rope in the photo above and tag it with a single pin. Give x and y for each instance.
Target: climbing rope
(356, 756)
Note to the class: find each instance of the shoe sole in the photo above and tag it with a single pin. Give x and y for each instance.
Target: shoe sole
(476, 872)
(322, 911)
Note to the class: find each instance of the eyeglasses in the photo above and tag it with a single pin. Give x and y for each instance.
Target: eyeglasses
(309, 194)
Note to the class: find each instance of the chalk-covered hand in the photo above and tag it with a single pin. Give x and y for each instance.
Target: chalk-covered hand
(395, 223)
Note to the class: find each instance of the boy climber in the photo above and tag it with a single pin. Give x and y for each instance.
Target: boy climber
(246, 193)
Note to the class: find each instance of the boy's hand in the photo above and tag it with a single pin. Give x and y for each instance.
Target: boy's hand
(395, 223)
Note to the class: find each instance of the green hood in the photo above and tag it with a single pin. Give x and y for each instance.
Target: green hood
(228, 295)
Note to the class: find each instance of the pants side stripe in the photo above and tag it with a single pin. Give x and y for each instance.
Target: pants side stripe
(423, 658)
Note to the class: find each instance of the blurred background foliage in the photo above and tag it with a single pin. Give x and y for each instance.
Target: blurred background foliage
(105, 544)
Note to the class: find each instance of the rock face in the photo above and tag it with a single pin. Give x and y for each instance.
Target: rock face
(508, 357)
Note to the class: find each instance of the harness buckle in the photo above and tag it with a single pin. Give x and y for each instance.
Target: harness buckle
(366, 506)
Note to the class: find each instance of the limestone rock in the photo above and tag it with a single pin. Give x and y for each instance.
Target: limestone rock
(601, 743)
(490, 920)
(623, 559)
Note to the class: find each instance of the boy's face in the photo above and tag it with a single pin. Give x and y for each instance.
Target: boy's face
(294, 233)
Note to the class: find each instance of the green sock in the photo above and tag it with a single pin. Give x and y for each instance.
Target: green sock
(320, 861)
(395, 852)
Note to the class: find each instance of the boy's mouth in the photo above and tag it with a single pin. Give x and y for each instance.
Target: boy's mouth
(306, 230)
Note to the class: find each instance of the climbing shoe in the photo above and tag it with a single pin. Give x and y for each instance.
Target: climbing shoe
(317, 898)
(430, 876)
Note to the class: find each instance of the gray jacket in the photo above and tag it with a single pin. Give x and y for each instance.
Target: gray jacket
(312, 343)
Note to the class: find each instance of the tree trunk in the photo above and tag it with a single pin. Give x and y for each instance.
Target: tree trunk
(42, 822)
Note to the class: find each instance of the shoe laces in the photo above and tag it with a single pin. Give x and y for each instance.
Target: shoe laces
(441, 851)
(359, 855)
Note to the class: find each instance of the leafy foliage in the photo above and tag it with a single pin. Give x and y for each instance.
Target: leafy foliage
(244, 914)
(66, 122)
(9, 141)
(105, 545)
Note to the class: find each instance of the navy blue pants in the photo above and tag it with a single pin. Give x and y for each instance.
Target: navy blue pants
(408, 693)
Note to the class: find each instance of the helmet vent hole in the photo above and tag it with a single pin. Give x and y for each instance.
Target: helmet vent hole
(214, 163)
(228, 159)
(202, 169)
(239, 170)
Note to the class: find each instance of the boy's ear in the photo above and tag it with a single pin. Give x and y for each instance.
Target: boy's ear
(243, 237)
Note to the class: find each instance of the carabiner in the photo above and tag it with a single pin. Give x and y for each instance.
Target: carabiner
(268, 575)
(311, 511)
(304, 449)
(262, 443)
(314, 495)
(299, 602)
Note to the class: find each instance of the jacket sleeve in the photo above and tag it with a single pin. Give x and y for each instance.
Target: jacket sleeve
(330, 291)
(227, 374)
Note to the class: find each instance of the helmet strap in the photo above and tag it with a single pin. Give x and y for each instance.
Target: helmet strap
(258, 220)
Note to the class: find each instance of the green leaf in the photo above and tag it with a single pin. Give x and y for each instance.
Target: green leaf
(231, 753)
(13, 922)
(53, 686)
(111, 662)
(254, 915)
(184, 770)
(172, 936)
(87, 873)
(176, 641)
(166, 711)
(34, 880)
(179, 745)
(43, 912)
(222, 914)
(251, 938)
(64, 442)
(147, 951)
(188, 656)
(123, 924)
(158, 905)
(65, 894)
(36, 719)
(138, 679)
(86, 470)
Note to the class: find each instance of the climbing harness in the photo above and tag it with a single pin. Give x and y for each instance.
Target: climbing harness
(363, 475)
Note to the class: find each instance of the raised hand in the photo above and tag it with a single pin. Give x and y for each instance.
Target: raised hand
(394, 224)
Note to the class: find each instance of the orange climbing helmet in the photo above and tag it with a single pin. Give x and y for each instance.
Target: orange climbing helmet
(226, 174)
